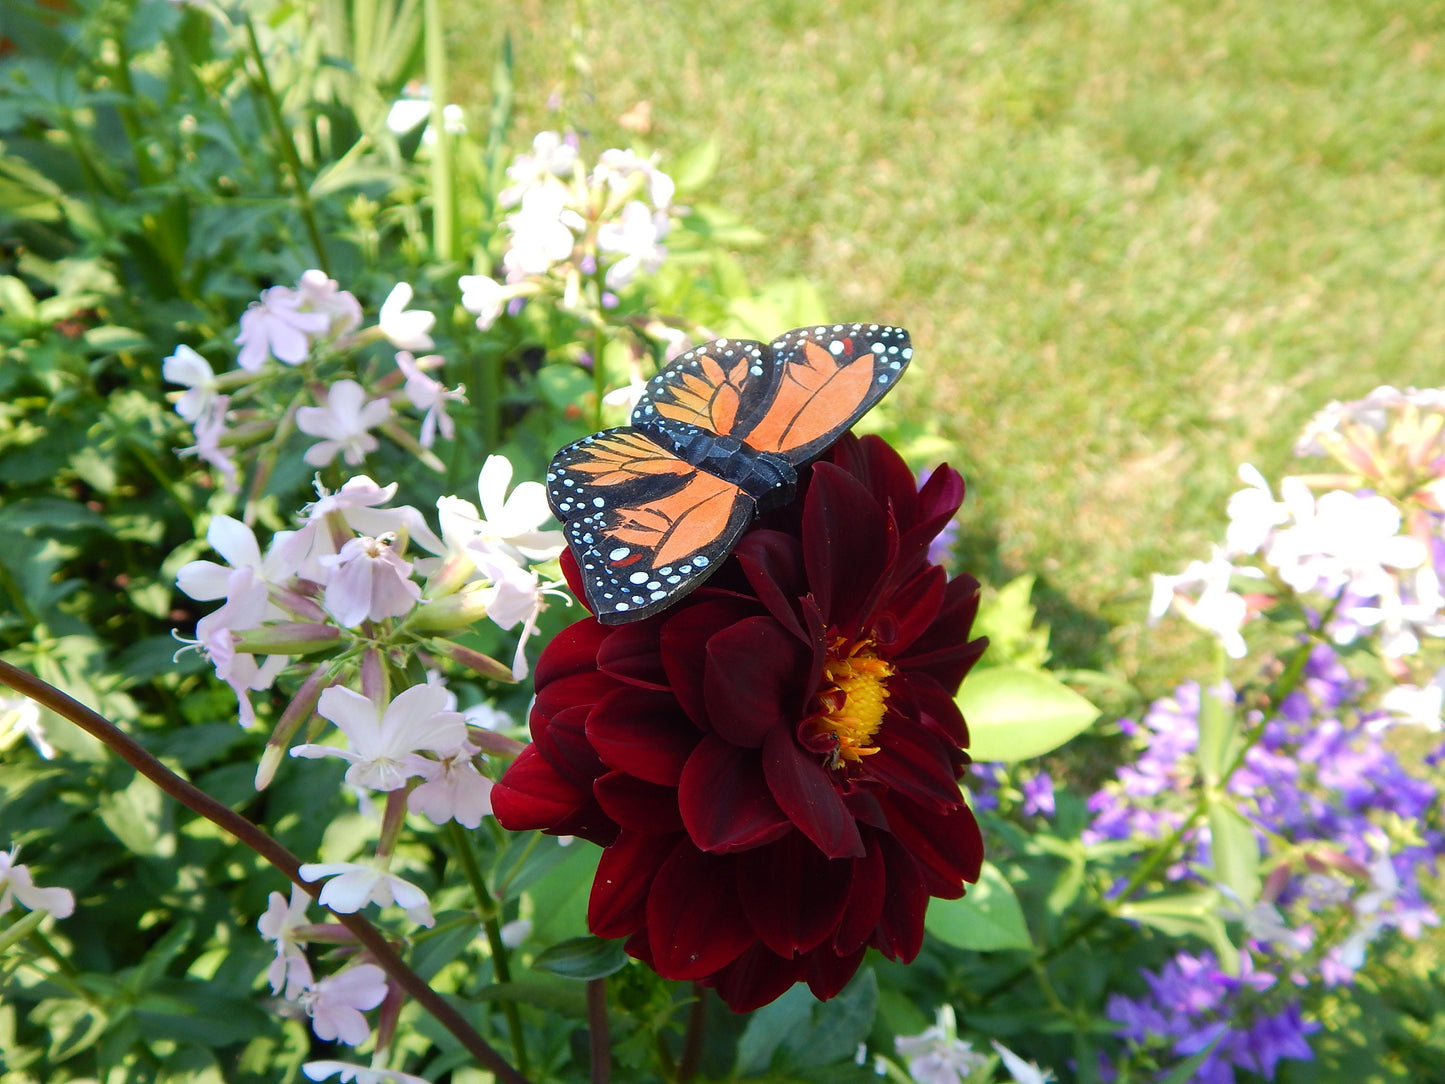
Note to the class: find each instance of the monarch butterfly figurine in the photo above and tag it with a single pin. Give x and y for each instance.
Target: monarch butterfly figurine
(651, 509)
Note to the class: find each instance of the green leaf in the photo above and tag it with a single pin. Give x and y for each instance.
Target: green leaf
(838, 1025)
(1178, 914)
(988, 919)
(1235, 850)
(1218, 735)
(16, 298)
(1006, 617)
(770, 1026)
(139, 818)
(52, 514)
(560, 897)
(1017, 714)
(582, 958)
(692, 169)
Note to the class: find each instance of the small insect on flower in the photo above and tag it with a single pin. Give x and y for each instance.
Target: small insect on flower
(652, 509)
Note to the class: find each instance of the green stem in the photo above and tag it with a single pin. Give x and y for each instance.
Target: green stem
(248, 834)
(487, 904)
(599, 371)
(290, 158)
(692, 1040)
(443, 194)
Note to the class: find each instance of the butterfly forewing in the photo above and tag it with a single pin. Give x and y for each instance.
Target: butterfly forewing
(827, 378)
(645, 526)
(715, 386)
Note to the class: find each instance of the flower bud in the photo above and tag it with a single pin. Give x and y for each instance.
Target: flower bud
(287, 638)
(484, 665)
(456, 611)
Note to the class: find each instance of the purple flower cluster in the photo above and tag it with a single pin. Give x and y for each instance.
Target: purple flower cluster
(1321, 777)
(1194, 1004)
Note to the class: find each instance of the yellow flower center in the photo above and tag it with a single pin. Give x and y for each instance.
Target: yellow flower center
(852, 701)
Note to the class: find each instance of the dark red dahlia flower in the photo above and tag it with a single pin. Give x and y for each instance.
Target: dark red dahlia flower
(771, 765)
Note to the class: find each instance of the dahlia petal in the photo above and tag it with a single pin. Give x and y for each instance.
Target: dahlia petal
(695, 922)
(803, 894)
(883, 471)
(755, 978)
(643, 733)
(630, 654)
(773, 563)
(846, 546)
(908, 611)
(946, 845)
(532, 795)
(685, 633)
(899, 933)
(618, 904)
(752, 680)
(724, 798)
(563, 744)
(865, 900)
(936, 709)
(806, 794)
(576, 690)
(572, 651)
(637, 805)
(828, 972)
(945, 650)
(915, 762)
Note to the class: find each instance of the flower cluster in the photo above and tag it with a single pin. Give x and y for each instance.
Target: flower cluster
(568, 226)
(1369, 550)
(1321, 778)
(771, 765)
(1194, 1005)
(344, 582)
(308, 326)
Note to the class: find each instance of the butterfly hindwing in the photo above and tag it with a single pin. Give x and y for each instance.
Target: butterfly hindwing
(645, 526)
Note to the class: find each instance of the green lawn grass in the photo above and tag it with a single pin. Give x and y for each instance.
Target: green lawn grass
(1136, 242)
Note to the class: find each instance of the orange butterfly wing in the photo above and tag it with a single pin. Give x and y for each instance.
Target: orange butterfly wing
(646, 527)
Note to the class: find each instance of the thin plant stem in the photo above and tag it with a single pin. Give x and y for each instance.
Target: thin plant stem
(501, 962)
(692, 1041)
(289, 156)
(599, 1042)
(197, 800)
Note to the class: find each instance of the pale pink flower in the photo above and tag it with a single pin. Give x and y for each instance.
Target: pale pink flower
(357, 1074)
(354, 885)
(245, 609)
(336, 1003)
(321, 294)
(1216, 609)
(510, 522)
(356, 506)
(276, 327)
(1421, 705)
(484, 297)
(236, 542)
(21, 715)
(454, 789)
(938, 1055)
(618, 167)
(636, 236)
(344, 423)
(210, 430)
(552, 156)
(542, 232)
(368, 581)
(289, 973)
(406, 329)
(1023, 1072)
(385, 743)
(188, 368)
(16, 885)
(429, 395)
(513, 933)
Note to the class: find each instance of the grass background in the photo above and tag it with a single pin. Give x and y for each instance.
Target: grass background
(1136, 242)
